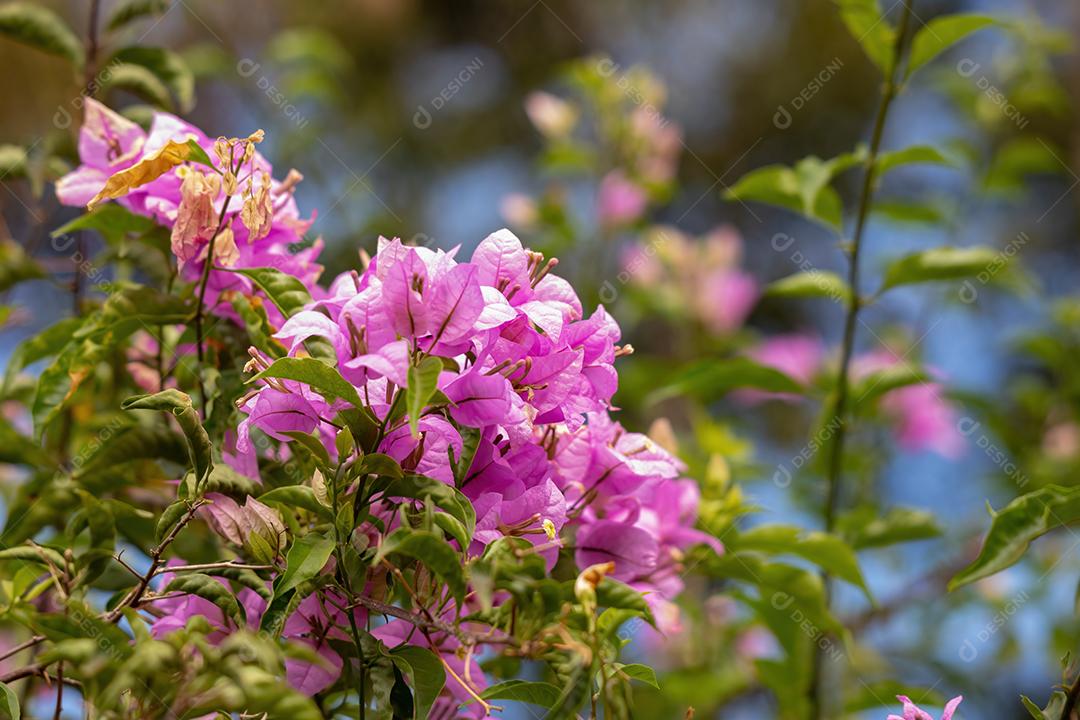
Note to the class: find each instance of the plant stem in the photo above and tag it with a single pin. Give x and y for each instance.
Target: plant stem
(1071, 698)
(199, 309)
(855, 304)
(347, 584)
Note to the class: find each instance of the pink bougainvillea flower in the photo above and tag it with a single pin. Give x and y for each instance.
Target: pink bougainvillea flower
(526, 380)
(924, 419)
(551, 115)
(260, 229)
(912, 712)
(727, 297)
(619, 200)
(800, 356)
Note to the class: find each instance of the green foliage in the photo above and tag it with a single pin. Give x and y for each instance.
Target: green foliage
(130, 11)
(305, 560)
(424, 673)
(423, 379)
(169, 70)
(866, 22)
(9, 704)
(939, 34)
(811, 284)
(285, 291)
(40, 28)
(317, 374)
(829, 552)
(804, 188)
(942, 263)
(709, 380)
(1026, 518)
(178, 404)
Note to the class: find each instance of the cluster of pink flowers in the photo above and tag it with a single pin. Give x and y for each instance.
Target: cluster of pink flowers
(262, 223)
(921, 416)
(705, 278)
(532, 376)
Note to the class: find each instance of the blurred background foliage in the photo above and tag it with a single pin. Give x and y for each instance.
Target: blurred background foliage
(409, 119)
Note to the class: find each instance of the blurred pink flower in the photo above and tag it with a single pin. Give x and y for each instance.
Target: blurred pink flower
(924, 419)
(912, 712)
(551, 115)
(641, 266)
(519, 210)
(726, 299)
(795, 354)
(620, 201)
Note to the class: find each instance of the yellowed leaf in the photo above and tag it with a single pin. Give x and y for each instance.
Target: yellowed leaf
(148, 169)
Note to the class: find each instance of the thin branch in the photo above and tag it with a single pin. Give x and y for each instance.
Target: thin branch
(36, 640)
(199, 309)
(840, 404)
(132, 598)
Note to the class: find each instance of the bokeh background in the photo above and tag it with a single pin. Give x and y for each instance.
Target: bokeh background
(408, 119)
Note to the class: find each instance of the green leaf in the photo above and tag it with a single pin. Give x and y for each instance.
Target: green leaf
(1026, 518)
(382, 465)
(113, 222)
(811, 283)
(165, 65)
(33, 553)
(12, 161)
(1054, 710)
(869, 388)
(138, 442)
(709, 380)
(423, 379)
(939, 34)
(9, 704)
(868, 25)
(320, 376)
(898, 211)
(197, 154)
(867, 527)
(138, 80)
(46, 343)
(223, 479)
(209, 589)
(311, 445)
(421, 487)
(285, 291)
(826, 551)
(637, 671)
(784, 587)
(297, 496)
(916, 154)
(611, 593)
(133, 10)
(803, 188)
(535, 693)
(425, 674)
(257, 324)
(941, 263)
(429, 549)
(129, 308)
(169, 517)
(305, 560)
(41, 28)
(179, 404)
